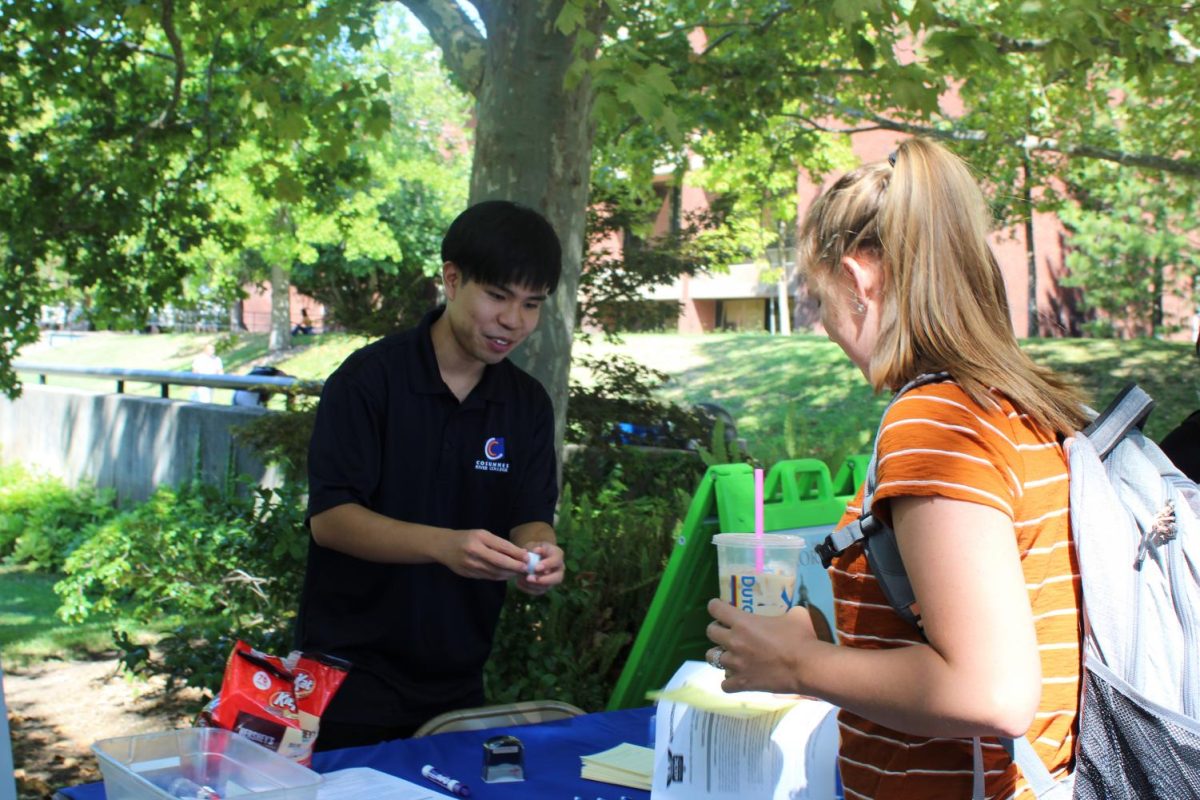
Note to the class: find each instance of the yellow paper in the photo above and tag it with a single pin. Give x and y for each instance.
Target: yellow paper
(704, 693)
(616, 778)
(623, 765)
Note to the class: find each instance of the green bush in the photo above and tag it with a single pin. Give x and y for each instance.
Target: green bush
(828, 437)
(42, 520)
(225, 563)
(571, 643)
(621, 390)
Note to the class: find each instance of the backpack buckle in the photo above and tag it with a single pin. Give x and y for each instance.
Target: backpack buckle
(826, 550)
(840, 540)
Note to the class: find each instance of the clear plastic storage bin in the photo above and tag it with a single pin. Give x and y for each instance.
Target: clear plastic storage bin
(199, 764)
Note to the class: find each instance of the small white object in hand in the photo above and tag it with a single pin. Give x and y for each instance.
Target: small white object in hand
(534, 558)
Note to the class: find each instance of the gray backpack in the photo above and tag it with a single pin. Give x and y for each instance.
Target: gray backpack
(1135, 520)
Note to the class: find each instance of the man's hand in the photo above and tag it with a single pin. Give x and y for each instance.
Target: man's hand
(477, 553)
(547, 573)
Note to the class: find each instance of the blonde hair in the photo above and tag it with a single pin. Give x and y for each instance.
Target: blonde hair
(944, 305)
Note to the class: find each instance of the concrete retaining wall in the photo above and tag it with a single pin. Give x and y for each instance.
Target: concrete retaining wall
(130, 443)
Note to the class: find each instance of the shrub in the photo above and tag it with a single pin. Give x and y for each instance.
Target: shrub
(571, 643)
(226, 564)
(622, 391)
(828, 437)
(42, 520)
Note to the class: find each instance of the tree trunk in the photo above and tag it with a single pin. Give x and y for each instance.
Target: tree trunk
(1032, 328)
(1156, 313)
(533, 145)
(785, 314)
(237, 317)
(280, 337)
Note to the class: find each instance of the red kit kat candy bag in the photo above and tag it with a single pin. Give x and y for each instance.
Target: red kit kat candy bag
(274, 701)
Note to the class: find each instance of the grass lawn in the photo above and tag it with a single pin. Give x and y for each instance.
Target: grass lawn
(29, 629)
(799, 395)
(310, 357)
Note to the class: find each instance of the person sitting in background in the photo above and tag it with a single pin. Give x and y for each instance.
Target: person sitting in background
(249, 397)
(1182, 445)
(304, 326)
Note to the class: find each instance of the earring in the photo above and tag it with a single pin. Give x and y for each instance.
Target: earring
(859, 306)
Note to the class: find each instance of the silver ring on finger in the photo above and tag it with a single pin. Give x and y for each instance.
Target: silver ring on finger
(714, 657)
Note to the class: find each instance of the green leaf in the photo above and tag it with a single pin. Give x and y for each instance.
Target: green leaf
(291, 126)
(379, 119)
(922, 15)
(657, 78)
(287, 188)
(570, 18)
(1058, 55)
(646, 103)
(577, 69)
(864, 51)
(912, 94)
(851, 12)
(138, 16)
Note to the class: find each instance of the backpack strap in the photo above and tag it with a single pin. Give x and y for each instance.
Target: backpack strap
(1127, 411)
(879, 540)
(1040, 781)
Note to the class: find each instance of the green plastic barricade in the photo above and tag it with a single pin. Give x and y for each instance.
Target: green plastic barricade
(850, 476)
(798, 497)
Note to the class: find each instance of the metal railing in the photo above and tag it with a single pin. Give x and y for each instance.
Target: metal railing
(271, 384)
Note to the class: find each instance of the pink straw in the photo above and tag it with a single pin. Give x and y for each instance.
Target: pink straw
(758, 519)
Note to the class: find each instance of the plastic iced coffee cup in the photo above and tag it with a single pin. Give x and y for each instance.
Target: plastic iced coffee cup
(769, 591)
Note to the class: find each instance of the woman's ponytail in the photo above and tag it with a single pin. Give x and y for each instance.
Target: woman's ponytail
(944, 302)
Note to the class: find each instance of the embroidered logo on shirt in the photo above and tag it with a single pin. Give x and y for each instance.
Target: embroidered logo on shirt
(493, 451)
(493, 448)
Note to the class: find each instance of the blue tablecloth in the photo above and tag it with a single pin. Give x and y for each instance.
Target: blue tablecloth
(552, 751)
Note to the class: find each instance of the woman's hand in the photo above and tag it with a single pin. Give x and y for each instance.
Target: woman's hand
(757, 652)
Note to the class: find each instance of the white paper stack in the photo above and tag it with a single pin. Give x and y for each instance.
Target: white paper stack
(712, 745)
(358, 783)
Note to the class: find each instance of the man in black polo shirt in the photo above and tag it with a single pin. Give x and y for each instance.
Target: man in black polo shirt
(432, 478)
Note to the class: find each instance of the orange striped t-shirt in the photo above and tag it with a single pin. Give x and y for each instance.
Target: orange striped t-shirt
(937, 441)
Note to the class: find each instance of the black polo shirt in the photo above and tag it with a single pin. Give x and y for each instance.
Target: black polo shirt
(390, 436)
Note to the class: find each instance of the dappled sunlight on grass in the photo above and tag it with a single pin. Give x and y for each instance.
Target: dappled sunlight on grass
(167, 351)
(30, 631)
(763, 381)
(1168, 371)
(318, 356)
(799, 395)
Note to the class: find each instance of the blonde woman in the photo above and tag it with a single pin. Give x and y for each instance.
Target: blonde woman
(972, 477)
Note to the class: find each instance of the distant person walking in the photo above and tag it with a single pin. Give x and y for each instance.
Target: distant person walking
(207, 362)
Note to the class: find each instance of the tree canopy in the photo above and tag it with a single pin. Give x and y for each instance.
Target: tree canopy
(120, 119)
(1081, 79)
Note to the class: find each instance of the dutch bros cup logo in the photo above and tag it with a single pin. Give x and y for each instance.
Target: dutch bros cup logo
(493, 448)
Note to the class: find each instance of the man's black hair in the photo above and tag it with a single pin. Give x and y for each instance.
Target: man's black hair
(502, 243)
